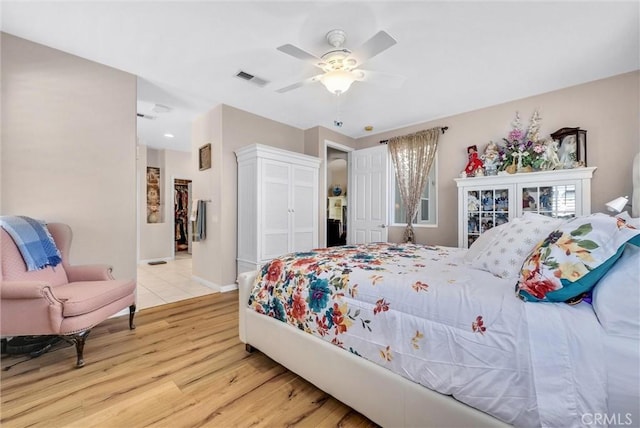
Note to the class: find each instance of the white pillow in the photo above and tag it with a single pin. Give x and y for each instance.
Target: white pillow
(481, 243)
(616, 297)
(508, 249)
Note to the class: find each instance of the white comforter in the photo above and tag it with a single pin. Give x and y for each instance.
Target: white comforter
(420, 312)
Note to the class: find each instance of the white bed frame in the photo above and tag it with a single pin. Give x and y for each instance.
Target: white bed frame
(386, 398)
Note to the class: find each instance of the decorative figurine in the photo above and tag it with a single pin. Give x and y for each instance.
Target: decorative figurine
(550, 158)
(487, 201)
(474, 163)
(491, 158)
(473, 203)
(568, 157)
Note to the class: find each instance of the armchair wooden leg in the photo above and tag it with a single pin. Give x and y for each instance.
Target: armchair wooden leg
(132, 312)
(78, 340)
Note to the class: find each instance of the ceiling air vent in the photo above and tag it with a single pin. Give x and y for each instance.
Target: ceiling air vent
(159, 108)
(251, 78)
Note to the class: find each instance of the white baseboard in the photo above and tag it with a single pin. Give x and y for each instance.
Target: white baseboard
(230, 287)
(217, 287)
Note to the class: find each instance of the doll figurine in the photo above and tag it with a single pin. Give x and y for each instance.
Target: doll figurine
(491, 158)
(473, 203)
(475, 163)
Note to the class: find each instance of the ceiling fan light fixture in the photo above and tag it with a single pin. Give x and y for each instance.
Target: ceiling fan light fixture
(337, 81)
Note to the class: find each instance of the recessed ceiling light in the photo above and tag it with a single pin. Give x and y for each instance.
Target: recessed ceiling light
(169, 135)
(368, 128)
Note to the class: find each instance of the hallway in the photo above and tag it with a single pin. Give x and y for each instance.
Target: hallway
(166, 283)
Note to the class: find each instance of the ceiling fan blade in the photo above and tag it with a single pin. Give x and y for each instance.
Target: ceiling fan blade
(393, 81)
(299, 84)
(381, 41)
(296, 52)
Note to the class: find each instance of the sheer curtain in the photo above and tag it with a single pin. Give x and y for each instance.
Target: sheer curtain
(412, 156)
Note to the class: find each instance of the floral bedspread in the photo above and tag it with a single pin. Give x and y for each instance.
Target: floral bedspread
(418, 311)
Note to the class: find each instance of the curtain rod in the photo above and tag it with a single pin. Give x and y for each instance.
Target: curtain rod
(443, 129)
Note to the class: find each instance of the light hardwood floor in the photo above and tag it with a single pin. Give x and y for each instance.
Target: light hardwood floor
(183, 366)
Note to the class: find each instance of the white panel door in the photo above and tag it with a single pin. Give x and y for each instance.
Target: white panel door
(304, 212)
(276, 209)
(368, 169)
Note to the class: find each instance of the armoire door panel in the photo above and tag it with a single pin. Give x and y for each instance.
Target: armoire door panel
(275, 206)
(275, 244)
(280, 203)
(303, 241)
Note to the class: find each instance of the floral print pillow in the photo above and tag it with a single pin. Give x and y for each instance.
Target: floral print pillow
(571, 259)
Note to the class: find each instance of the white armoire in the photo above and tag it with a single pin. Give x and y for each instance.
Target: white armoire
(277, 204)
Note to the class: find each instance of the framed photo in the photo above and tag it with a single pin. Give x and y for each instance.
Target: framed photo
(204, 158)
(154, 213)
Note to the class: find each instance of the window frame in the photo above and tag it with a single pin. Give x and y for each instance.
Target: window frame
(434, 199)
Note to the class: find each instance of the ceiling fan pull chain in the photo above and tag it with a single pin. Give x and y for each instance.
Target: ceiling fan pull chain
(338, 122)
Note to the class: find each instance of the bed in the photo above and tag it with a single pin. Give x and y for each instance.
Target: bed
(414, 335)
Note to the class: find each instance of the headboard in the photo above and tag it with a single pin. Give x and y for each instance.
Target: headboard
(635, 198)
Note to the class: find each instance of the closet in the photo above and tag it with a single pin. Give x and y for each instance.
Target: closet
(181, 203)
(277, 204)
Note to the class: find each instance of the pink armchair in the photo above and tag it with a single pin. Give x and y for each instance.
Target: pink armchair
(64, 300)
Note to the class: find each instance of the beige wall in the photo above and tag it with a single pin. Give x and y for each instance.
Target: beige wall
(207, 185)
(156, 240)
(228, 129)
(69, 149)
(608, 109)
(315, 141)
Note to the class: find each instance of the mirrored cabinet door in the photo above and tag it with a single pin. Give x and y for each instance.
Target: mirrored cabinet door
(489, 201)
(486, 207)
(557, 201)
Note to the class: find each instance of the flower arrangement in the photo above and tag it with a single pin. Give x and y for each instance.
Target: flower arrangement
(523, 151)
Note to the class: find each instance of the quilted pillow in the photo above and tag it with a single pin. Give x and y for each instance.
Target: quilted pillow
(506, 252)
(616, 296)
(570, 261)
(480, 244)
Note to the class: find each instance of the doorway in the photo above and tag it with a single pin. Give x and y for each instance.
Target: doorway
(337, 177)
(181, 204)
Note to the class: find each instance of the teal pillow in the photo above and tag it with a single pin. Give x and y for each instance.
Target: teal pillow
(572, 258)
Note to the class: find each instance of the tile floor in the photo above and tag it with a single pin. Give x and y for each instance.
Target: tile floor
(166, 283)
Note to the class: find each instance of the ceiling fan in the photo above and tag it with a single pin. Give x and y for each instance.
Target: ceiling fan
(340, 65)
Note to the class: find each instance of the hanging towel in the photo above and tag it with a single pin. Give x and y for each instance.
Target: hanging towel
(194, 210)
(33, 240)
(199, 225)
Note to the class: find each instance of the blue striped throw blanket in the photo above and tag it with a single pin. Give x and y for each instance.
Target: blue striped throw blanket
(33, 240)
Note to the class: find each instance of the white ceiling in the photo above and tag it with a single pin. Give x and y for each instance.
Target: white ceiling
(456, 56)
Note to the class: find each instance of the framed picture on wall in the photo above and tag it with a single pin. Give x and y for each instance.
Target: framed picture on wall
(154, 213)
(204, 158)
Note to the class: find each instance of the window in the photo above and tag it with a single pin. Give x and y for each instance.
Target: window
(427, 208)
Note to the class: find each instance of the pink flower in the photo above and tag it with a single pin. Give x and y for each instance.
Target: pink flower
(515, 135)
